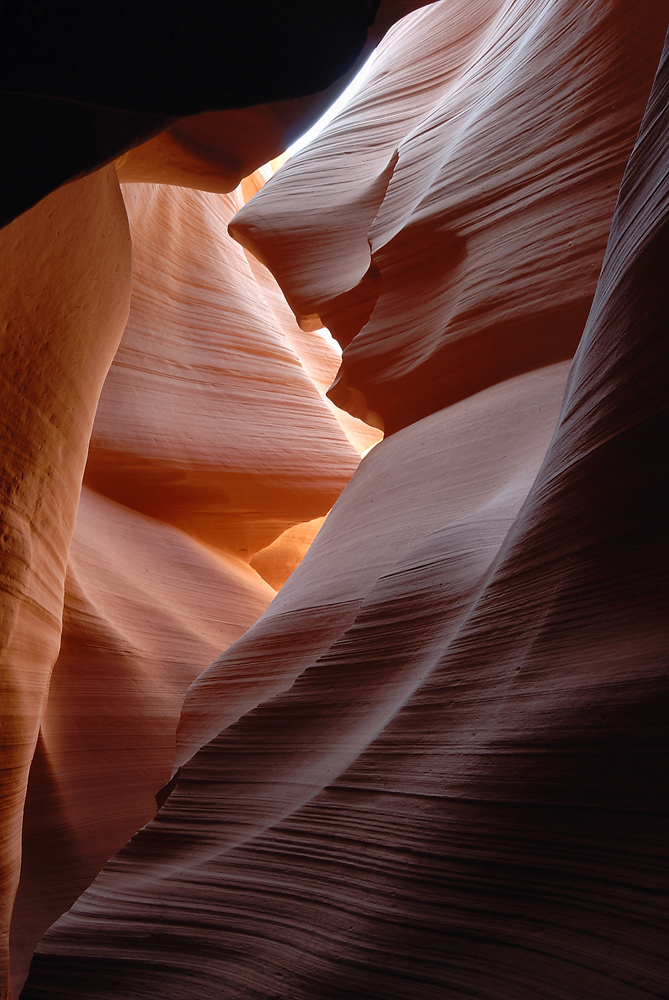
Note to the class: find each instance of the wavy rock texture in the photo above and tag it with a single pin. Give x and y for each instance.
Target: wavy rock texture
(208, 420)
(205, 393)
(448, 227)
(408, 487)
(64, 296)
(146, 609)
(342, 582)
(319, 358)
(460, 794)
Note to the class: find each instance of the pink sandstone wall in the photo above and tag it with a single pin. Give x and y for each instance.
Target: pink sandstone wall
(434, 766)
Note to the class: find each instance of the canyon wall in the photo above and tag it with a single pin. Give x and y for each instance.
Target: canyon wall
(76, 90)
(449, 227)
(434, 766)
(211, 438)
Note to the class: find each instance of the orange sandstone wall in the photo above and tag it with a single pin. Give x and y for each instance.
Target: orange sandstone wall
(208, 420)
(434, 767)
(78, 88)
(211, 437)
(64, 297)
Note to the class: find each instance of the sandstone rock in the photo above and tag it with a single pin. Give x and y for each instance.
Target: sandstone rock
(277, 561)
(146, 609)
(205, 392)
(449, 225)
(208, 421)
(64, 298)
(459, 791)
(320, 356)
(314, 642)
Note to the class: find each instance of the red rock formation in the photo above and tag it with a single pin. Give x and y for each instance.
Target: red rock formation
(470, 186)
(317, 356)
(410, 486)
(432, 768)
(64, 296)
(146, 609)
(66, 267)
(460, 792)
(205, 391)
(208, 421)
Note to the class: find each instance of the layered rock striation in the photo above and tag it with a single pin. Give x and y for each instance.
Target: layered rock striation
(66, 264)
(208, 420)
(211, 437)
(65, 293)
(445, 778)
(434, 766)
(448, 227)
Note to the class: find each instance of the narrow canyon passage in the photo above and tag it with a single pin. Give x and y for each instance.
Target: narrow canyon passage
(381, 620)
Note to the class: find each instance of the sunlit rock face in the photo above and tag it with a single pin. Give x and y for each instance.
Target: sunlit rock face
(66, 268)
(208, 419)
(407, 488)
(212, 436)
(449, 226)
(146, 609)
(433, 768)
(58, 338)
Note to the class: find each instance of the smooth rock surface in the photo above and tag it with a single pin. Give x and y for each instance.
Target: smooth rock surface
(208, 420)
(461, 791)
(204, 364)
(146, 609)
(64, 297)
(368, 554)
(449, 225)
(446, 470)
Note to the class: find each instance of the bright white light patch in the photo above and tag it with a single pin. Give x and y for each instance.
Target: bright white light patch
(333, 110)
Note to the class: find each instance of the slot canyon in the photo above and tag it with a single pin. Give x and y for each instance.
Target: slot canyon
(333, 593)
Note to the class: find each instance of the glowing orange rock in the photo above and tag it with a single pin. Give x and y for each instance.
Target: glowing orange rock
(64, 296)
(208, 420)
(408, 487)
(146, 609)
(443, 778)
(206, 364)
(462, 795)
